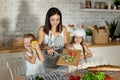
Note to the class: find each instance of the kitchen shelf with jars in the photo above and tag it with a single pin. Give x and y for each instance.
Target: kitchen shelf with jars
(100, 6)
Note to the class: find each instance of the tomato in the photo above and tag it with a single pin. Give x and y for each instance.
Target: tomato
(71, 77)
(111, 78)
(106, 75)
(77, 78)
(107, 78)
(72, 54)
(94, 72)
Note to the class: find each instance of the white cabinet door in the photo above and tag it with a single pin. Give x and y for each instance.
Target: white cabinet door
(110, 54)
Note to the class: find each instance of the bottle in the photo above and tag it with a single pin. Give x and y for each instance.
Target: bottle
(88, 4)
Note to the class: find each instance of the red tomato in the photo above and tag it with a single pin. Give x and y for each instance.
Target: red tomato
(107, 78)
(111, 78)
(72, 54)
(71, 77)
(106, 75)
(94, 72)
(77, 78)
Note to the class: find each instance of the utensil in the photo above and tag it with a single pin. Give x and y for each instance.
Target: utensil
(60, 54)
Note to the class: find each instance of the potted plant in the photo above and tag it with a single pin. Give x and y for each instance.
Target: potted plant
(88, 35)
(112, 27)
(117, 3)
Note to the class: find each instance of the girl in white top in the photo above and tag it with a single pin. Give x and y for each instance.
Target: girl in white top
(77, 43)
(34, 58)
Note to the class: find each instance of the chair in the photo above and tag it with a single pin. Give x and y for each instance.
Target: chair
(4, 72)
(17, 67)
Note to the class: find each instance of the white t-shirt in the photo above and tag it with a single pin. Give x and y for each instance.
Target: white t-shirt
(36, 68)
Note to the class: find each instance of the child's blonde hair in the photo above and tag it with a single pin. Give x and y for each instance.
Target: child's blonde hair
(30, 35)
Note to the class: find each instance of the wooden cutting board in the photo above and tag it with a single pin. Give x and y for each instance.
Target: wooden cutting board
(75, 61)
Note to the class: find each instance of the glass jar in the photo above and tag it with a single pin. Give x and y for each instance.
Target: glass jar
(103, 5)
(97, 5)
(88, 4)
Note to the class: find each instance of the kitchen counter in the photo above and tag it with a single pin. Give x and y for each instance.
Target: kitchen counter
(11, 49)
(103, 45)
(22, 49)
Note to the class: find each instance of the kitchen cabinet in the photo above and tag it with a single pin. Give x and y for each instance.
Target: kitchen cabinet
(103, 56)
(109, 54)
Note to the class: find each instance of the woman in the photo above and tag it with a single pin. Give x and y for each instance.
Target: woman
(53, 36)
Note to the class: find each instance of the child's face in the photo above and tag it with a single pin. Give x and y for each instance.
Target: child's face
(78, 39)
(27, 42)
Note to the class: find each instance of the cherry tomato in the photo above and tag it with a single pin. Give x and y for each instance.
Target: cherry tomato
(72, 54)
(77, 78)
(111, 78)
(107, 78)
(106, 75)
(94, 72)
(71, 77)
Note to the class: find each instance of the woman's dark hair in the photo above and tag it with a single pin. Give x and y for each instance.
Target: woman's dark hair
(73, 41)
(52, 11)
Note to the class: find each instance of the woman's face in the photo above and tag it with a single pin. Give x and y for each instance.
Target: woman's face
(78, 39)
(27, 42)
(54, 20)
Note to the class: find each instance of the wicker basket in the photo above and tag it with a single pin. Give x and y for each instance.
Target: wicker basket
(100, 36)
(17, 42)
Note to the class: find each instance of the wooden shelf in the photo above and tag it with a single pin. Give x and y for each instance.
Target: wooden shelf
(100, 10)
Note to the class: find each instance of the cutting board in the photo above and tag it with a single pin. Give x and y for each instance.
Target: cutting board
(75, 61)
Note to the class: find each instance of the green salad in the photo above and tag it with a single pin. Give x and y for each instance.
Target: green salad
(94, 76)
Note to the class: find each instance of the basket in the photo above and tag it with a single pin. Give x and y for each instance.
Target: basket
(100, 36)
(17, 42)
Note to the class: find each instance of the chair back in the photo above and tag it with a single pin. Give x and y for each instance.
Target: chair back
(17, 67)
(4, 73)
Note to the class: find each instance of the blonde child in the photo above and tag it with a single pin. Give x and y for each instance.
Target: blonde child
(33, 56)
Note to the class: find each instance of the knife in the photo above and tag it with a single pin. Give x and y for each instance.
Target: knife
(59, 54)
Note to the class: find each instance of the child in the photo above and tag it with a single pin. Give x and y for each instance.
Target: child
(77, 43)
(33, 56)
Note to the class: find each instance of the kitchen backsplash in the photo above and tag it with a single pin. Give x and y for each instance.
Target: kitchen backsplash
(25, 16)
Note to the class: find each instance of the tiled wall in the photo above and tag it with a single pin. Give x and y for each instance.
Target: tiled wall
(27, 15)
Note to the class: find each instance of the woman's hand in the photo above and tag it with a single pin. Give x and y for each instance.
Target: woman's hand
(50, 50)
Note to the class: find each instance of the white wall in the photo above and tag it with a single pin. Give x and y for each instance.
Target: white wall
(27, 15)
